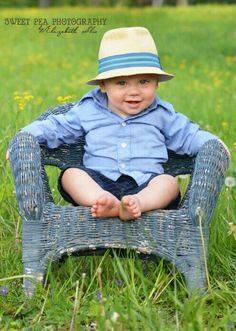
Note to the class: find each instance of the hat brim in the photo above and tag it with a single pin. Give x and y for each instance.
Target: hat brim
(162, 75)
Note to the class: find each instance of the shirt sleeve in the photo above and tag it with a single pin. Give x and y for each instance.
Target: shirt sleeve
(182, 135)
(57, 129)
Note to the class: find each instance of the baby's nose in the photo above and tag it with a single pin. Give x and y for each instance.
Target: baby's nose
(133, 90)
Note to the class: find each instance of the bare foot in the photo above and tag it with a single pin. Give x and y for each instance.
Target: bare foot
(107, 205)
(129, 208)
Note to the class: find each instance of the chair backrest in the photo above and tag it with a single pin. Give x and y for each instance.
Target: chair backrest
(67, 155)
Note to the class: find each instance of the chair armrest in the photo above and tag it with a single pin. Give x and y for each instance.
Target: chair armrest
(25, 159)
(211, 164)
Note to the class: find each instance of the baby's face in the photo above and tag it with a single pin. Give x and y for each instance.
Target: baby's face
(130, 95)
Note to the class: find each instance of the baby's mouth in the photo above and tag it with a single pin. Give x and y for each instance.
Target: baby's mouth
(133, 102)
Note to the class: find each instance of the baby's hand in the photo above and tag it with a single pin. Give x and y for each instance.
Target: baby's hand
(7, 155)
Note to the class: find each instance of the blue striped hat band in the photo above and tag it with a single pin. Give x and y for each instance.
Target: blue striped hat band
(129, 60)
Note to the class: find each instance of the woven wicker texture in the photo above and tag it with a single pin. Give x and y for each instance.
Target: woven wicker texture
(51, 231)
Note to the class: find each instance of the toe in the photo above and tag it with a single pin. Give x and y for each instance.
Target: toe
(102, 201)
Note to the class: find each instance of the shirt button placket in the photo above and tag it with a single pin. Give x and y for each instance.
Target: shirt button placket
(123, 151)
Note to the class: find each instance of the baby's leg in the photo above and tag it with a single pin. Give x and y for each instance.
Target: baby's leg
(86, 192)
(159, 193)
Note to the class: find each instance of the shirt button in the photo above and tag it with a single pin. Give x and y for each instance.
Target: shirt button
(123, 165)
(123, 124)
(123, 145)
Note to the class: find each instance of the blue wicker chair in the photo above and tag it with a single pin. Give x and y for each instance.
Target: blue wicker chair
(51, 231)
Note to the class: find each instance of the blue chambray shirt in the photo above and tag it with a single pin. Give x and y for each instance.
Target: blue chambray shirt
(135, 145)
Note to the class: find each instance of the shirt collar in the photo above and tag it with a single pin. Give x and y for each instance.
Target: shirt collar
(97, 96)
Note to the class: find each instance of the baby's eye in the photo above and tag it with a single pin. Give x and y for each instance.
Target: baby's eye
(121, 82)
(143, 81)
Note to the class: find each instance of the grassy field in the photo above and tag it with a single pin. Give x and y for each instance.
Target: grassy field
(39, 70)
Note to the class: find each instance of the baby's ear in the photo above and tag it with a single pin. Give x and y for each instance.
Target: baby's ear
(102, 85)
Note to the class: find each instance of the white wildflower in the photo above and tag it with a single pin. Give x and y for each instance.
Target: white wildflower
(199, 212)
(230, 182)
(114, 317)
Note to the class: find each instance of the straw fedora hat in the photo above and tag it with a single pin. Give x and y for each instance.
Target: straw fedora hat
(128, 51)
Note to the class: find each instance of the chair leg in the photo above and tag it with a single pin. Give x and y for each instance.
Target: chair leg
(194, 272)
(195, 280)
(30, 281)
(34, 270)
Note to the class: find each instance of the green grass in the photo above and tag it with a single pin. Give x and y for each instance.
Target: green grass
(198, 45)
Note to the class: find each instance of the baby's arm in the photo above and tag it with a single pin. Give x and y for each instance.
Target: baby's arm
(57, 129)
(182, 135)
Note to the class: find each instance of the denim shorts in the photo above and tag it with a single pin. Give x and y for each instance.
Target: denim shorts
(124, 185)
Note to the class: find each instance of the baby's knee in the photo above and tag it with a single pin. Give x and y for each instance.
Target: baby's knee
(169, 182)
(172, 184)
(70, 174)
